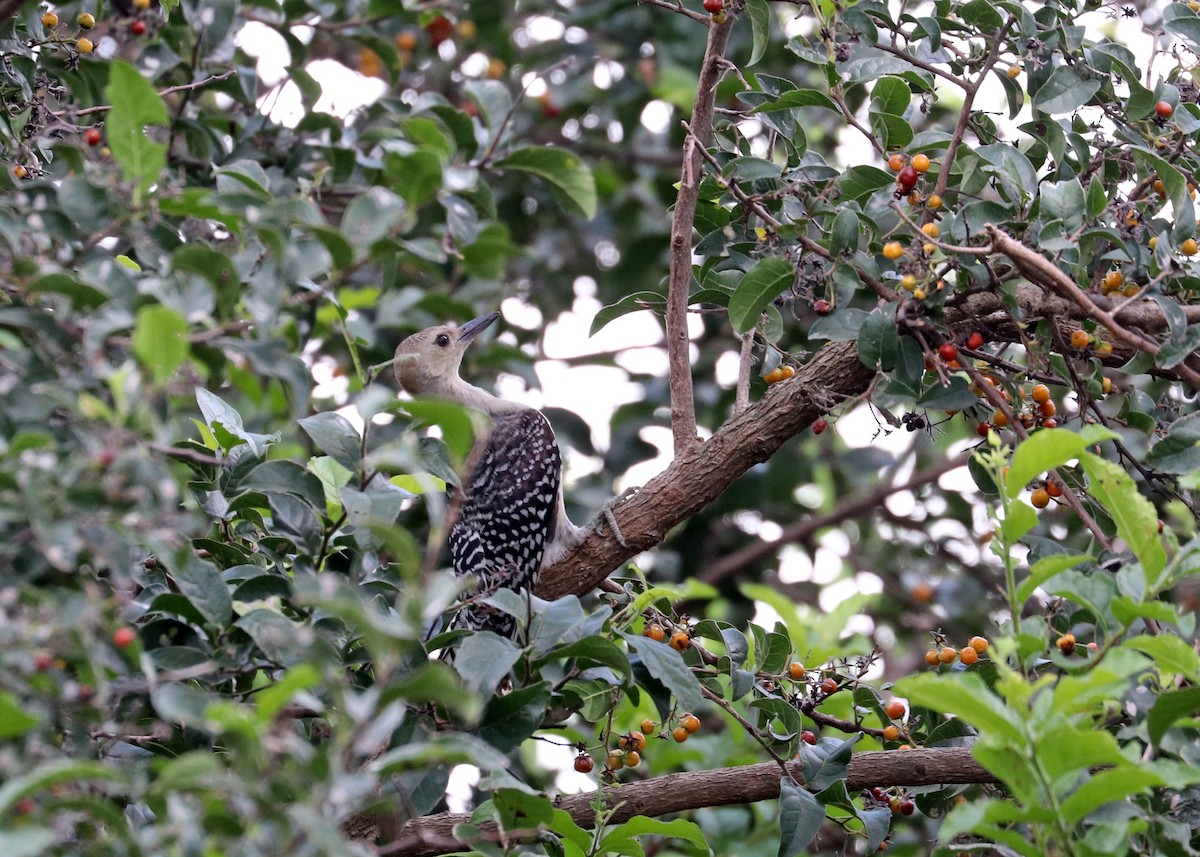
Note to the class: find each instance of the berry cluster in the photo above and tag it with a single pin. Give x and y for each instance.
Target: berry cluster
(942, 653)
(680, 640)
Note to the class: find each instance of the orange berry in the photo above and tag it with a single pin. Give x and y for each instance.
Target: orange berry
(893, 250)
(632, 741)
(1014, 71)
(49, 19)
(1040, 393)
(895, 709)
(999, 419)
(829, 686)
(1040, 498)
(123, 637)
(1104, 348)
(930, 229)
(19, 172)
(680, 641)
(1189, 247)
(920, 163)
(654, 631)
(968, 655)
(931, 658)
(647, 725)
(1106, 385)
(923, 592)
(796, 670)
(891, 733)
(896, 162)
(1066, 644)
(1048, 409)
(979, 644)
(680, 734)
(690, 722)
(631, 760)
(1080, 339)
(947, 655)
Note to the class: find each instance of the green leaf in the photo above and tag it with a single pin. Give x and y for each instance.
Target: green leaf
(374, 213)
(1046, 568)
(640, 825)
(1179, 451)
(202, 585)
(1169, 708)
(878, 344)
(1171, 655)
(1134, 515)
(760, 28)
(966, 696)
(843, 236)
(800, 818)
(794, 98)
(335, 436)
(135, 107)
(863, 180)
(564, 170)
(668, 666)
(160, 341)
(762, 284)
(1108, 786)
(459, 425)
(14, 721)
(484, 659)
(1046, 450)
(274, 634)
(1064, 91)
(890, 95)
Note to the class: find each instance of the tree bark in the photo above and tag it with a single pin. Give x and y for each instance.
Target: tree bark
(428, 836)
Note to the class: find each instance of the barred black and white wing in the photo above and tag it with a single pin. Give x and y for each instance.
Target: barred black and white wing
(507, 517)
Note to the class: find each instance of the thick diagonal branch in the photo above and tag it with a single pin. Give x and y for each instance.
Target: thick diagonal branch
(704, 470)
(427, 836)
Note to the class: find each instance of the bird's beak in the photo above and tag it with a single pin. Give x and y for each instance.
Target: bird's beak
(467, 332)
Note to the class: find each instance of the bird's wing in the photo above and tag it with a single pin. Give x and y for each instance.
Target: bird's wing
(509, 502)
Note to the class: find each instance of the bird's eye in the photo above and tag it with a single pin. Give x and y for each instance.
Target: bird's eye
(442, 340)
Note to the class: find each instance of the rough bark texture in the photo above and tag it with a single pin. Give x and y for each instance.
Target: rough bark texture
(721, 787)
(703, 472)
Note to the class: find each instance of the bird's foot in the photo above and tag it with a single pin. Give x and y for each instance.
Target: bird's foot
(611, 519)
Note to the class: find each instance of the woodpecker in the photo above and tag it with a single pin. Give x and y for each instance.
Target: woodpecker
(512, 520)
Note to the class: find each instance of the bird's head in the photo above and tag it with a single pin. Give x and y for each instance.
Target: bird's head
(427, 362)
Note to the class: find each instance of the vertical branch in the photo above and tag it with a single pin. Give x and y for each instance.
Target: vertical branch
(683, 408)
(742, 396)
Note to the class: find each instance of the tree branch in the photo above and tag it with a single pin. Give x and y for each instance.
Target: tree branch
(703, 471)
(1041, 270)
(805, 529)
(683, 407)
(424, 837)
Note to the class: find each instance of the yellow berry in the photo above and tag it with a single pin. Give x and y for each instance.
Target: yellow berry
(49, 19)
(1106, 385)
(908, 282)
(84, 46)
(935, 202)
(919, 294)
(929, 250)
(86, 20)
(141, 4)
(1154, 238)
(920, 163)
(1189, 247)
(893, 250)
(930, 229)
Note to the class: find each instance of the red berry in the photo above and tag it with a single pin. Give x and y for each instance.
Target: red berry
(975, 341)
(1164, 110)
(907, 807)
(584, 764)
(829, 686)
(948, 352)
(982, 429)
(137, 27)
(714, 6)
(819, 426)
(123, 637)
(821, 307)
(808, 737)
(907, 179)
(43, 662)
(93, 137)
